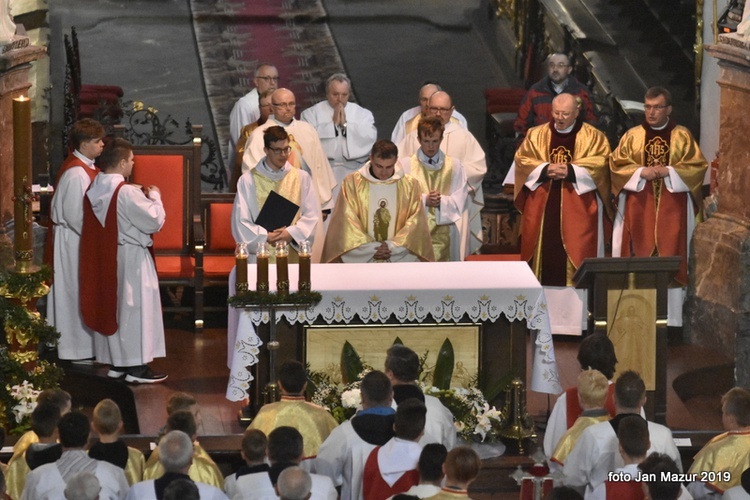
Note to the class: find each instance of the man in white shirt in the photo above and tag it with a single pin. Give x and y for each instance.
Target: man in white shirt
(596, 452)
(247, 109)
(410, 118)
(347, 130)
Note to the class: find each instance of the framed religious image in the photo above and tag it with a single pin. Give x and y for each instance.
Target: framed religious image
(324, 344)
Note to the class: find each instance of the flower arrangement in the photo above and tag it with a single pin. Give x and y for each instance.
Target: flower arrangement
(474, 418)
(22, 329)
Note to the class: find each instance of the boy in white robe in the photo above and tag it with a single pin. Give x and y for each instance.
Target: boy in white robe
(120, 300)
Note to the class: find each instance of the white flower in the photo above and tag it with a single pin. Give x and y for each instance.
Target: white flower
(460, 426)
(351, 398)
(485, 415)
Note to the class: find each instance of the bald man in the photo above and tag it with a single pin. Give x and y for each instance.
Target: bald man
(562, 191)
(460, 144)
(410, 118)
(307, 151)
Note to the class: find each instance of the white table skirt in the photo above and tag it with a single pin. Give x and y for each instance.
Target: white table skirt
(439, 292)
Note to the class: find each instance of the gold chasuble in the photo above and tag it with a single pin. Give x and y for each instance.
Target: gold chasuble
(560, 218)
(569, 439)
(727, 452)
(202, 470)
(436, 180)
(289, 187)
(312, 421)
(655, 219)
(351, 227)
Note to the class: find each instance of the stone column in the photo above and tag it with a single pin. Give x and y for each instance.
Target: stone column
(15, 63)
(719, 296)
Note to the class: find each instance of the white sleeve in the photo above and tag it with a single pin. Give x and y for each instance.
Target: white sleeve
(304, 228)
(453, 206)
(144, 213)
(674, 183)
(532, 181)
(557, 425)
(244, 213)
(361, 134)
(584, 182)
(67, 202)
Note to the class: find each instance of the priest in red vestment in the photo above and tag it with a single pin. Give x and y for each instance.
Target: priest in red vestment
(562, 191)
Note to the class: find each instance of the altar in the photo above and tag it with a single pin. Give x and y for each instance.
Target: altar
(504, 300)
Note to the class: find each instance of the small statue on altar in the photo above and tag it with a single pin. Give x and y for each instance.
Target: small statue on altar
(7, 26)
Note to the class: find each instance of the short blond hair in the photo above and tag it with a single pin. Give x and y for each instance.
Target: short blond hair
(107, 417)
(592, 388)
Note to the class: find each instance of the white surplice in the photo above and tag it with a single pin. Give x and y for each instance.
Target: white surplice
(47, 483)
(347, 148)
(458, 143)
(244, 228)
(452, 207)
(342, 457)
(258, 486)
(399, 131)
(313, 155)
(140, 333)
(596, 453)
(244, 112)
(64, 302)
(145, 490)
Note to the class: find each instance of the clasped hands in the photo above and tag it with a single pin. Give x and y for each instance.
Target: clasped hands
(281, 234)
(433, 199)
(557, 171)
(339, 117)
(383, 252)
(654, 172)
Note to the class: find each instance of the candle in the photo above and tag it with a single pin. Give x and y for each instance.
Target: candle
(240, 258)
(261, 255)
(22, 196)
(304, 266)
(282, 268)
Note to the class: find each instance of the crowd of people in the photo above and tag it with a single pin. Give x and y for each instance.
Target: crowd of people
(400, 444)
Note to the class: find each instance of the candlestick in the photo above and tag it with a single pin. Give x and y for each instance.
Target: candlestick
(261, 256)
(304, 284)
(282, 268)
(22, 195)
(240, 258)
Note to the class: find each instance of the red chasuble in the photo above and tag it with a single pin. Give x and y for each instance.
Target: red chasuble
(655, 218)
(556, 213)
(98, 268)
(71, 161)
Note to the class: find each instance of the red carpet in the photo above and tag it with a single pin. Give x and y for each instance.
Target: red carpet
(234, 36)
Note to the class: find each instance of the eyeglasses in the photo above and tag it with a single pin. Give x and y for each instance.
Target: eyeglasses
(439, 110)
(268, 78)
(281, 151)
(284, 105)
(558, 65)
(658, 107)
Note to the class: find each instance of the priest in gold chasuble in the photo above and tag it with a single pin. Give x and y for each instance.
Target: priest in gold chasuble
(379, 215)
(657, 177)
(444, 191)
(562, 192)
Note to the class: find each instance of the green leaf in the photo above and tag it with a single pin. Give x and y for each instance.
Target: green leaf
(444, 366)
(351, 363)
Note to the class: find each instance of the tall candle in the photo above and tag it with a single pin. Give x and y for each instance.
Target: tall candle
(22, 183)
(304, 267)
(261, 256)
(282, 268)
(240, 259)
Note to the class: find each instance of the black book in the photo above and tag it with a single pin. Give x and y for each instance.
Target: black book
(277, 212)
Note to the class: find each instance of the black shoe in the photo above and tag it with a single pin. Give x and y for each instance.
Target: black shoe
(144, 375)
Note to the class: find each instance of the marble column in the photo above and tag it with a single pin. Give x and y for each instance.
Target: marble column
(718, 307)
(15, 64)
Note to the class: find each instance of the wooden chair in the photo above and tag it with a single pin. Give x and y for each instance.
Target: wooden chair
(175, 169)
(217, 258)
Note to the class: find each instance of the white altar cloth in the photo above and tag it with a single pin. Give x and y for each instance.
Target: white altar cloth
(439, 292)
